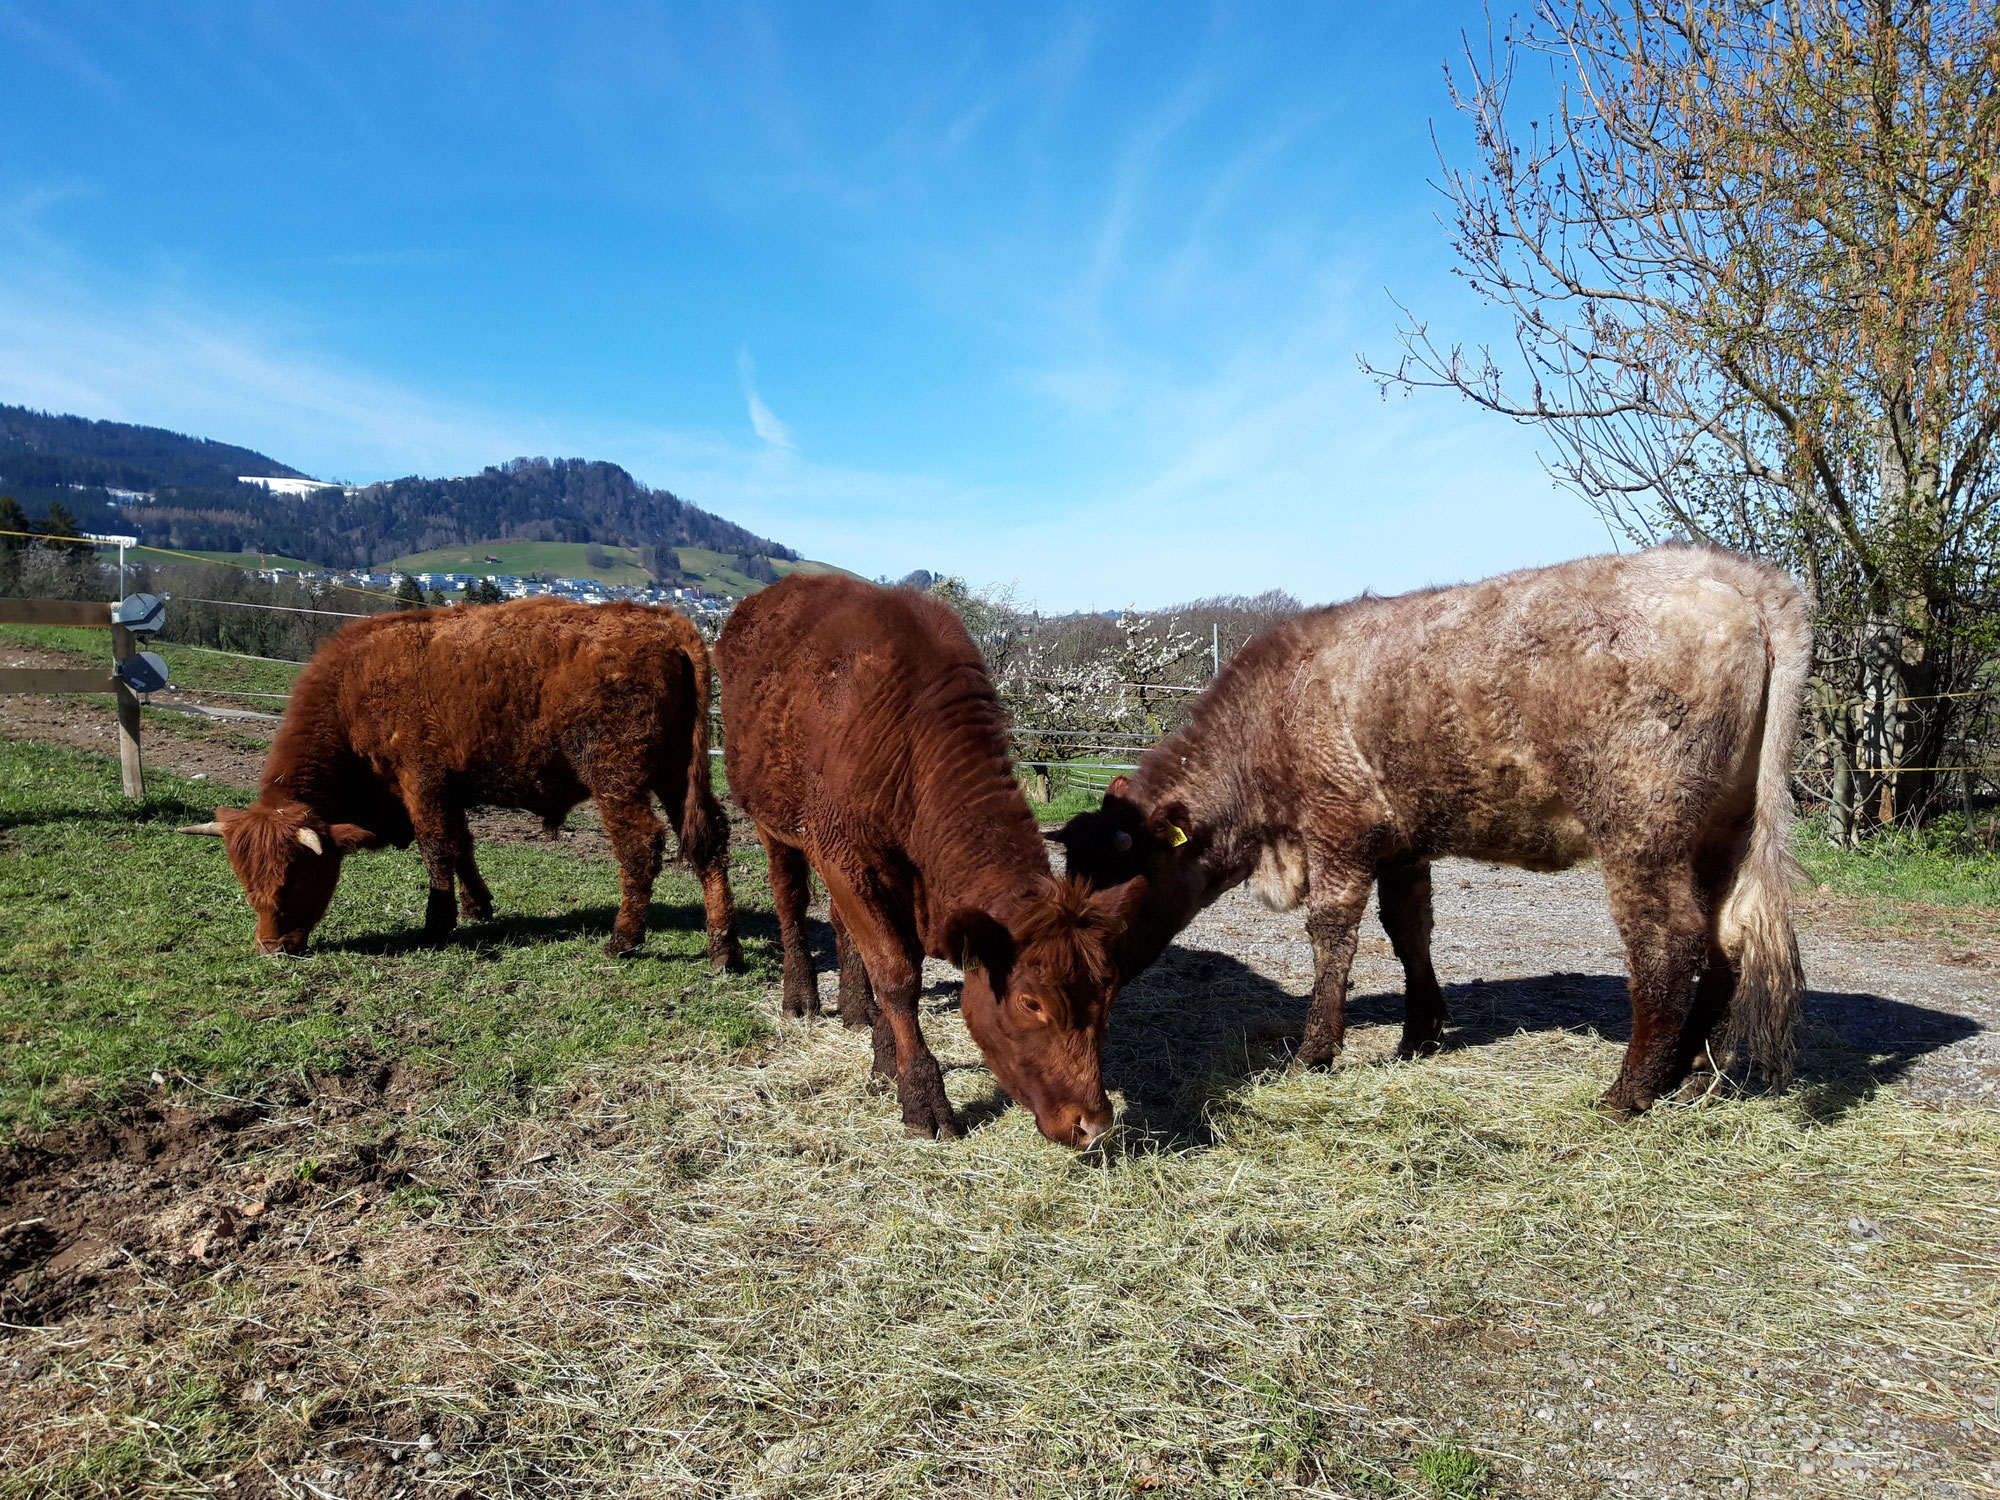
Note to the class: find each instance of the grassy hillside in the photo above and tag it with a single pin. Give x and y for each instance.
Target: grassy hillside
(159, 555)
(564, 559)
(713, 571)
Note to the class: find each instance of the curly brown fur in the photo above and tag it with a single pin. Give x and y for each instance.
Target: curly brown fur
(402, 722)
(864, 733)
(1640, 708)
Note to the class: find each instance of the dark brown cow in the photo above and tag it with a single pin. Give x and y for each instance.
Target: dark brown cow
(863, 736)
(1640, 708)
(402, 722)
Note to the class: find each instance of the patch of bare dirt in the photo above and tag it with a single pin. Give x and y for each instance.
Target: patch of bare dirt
(171, 1186)
(128, 1243)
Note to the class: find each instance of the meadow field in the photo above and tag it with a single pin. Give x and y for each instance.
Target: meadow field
(507, 1217)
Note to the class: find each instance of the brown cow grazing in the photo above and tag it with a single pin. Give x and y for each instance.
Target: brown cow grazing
(402, 722)
(863, 736)
(1639, 708)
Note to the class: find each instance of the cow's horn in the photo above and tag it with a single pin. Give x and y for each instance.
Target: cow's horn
(311, 841)
(211, 827)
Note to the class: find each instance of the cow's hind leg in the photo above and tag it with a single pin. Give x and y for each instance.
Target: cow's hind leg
(725, 952)
(475, 901)
(1403, 889)
(1336, 901)
(1708, 1017)
(704, 837)
(1666, 930)
(432, 820)
(638, 839)
(790, 891)
(857, 996)
(895, 963)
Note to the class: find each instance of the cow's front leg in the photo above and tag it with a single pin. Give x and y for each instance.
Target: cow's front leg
(1336, 901)
(895, 964)
(475, 901)
(1666, 940)
(1403, 890)
(431, 818)
(638, 839)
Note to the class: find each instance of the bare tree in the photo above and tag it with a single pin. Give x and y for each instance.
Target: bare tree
(1751, 253)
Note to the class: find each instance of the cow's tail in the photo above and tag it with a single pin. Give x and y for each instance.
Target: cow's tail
(704, 827)
(1755, 925)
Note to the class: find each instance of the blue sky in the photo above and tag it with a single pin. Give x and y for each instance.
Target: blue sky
(1063, 297)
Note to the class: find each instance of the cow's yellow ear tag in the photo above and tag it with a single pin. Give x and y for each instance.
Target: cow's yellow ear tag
(1175, 838)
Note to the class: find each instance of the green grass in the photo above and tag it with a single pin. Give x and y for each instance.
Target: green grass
(711, 1269)
(1067, 798)
(193, 668)
(1937, 866)
(1063, 805)
(125, 949)
(1453, 1473)
(564, 559)
(716, 572)
(164, 556)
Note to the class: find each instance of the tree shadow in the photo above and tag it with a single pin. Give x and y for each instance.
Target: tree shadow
(1200, 1025)
(1197, 1025)
(154, 811)
(521, 931)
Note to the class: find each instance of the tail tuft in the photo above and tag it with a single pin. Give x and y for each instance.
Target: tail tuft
(1755, 924)
(704, 827)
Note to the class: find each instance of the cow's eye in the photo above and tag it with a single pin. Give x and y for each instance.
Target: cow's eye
(1121, 841)
(1030, 1003)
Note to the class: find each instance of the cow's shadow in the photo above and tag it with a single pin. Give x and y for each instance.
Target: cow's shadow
(516, 931)
(1200, 1025)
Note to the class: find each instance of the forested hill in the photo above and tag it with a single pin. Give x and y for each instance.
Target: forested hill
(175, 491)
(530, 499)
(42, 455)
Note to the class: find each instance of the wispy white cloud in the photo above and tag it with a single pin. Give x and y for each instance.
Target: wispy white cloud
(762, 418)
(168, 361)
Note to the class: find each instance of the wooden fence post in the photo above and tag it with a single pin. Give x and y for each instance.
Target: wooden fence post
(130, 767)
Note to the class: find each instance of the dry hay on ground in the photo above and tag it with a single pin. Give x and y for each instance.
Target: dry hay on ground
(732, 1276)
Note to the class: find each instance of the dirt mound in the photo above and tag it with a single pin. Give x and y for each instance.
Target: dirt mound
(164, 1190)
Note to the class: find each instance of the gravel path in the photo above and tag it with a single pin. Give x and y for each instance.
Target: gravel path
(1519, 951)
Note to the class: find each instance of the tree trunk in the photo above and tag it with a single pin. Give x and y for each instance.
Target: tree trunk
(1840, 805)
(1881, 694)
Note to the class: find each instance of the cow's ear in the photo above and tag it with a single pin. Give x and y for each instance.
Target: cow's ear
(1074, 832)
(973, 938)
(1119, 906)
(1169, 824)
(1120, 788)
(227, 815)
(348, 837)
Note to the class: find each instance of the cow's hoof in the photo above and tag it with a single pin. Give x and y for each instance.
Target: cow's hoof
(725, 955)
(620, 945)
(927, 1113)
(440, 916)
(1412, 1047)
(1316, 1060)
(475, 911)
(932, 1123)
(1697, 1086)
(801, 1000)
(1624, 1104)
